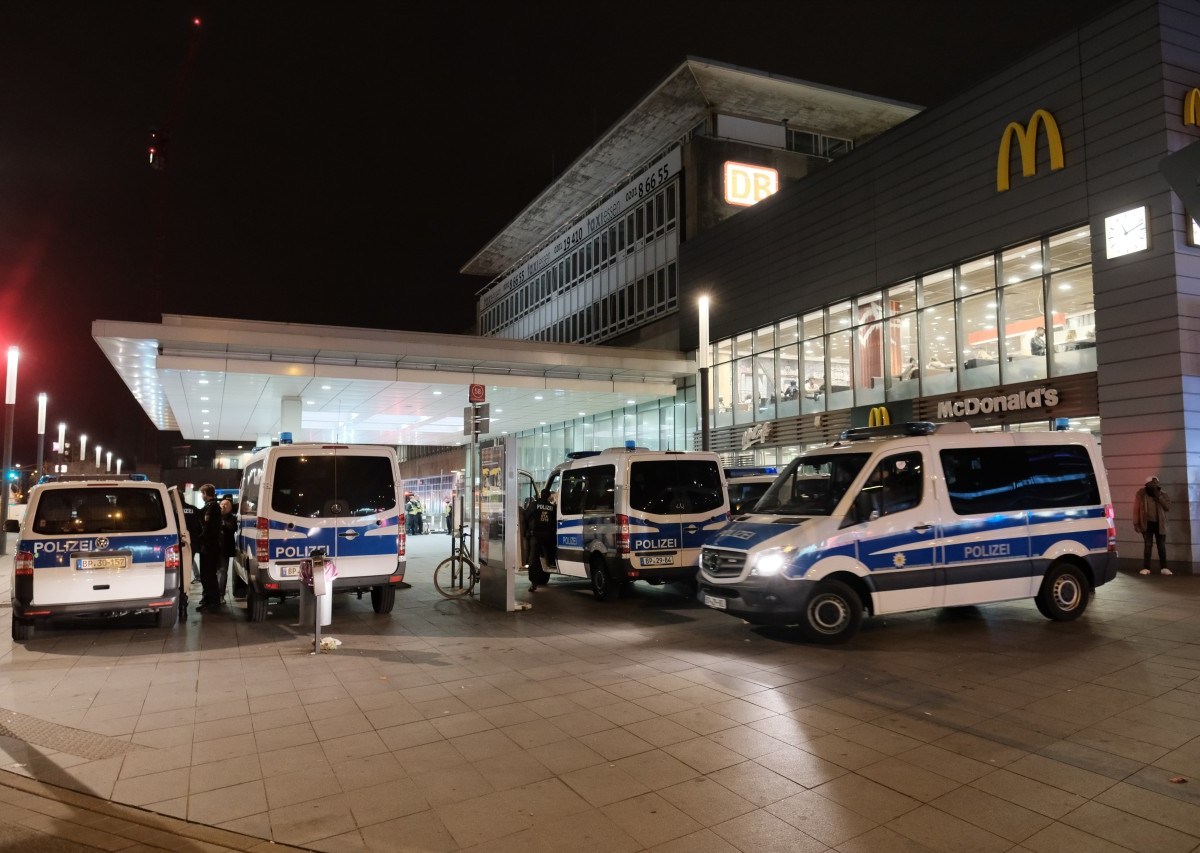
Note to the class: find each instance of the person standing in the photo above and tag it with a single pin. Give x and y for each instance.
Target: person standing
(210, 548)
(542, 520)
(449, 517)
(1150, 507)
(419, 512)
(410, 513)
(228, 546)
(1037, 344)
(191, 520)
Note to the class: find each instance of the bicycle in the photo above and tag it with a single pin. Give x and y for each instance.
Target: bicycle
(456, 575)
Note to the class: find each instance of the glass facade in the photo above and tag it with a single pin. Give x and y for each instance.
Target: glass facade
(667, 424)
(1023, 314)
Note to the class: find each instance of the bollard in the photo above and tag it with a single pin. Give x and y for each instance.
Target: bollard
(316, 594)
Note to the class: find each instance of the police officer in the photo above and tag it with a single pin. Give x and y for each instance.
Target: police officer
(191, 520)
(210, 548)
(542, 521)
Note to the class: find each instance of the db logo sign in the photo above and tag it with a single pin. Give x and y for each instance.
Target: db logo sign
(478, 394)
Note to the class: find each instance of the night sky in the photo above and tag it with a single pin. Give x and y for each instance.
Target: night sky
(338, 163)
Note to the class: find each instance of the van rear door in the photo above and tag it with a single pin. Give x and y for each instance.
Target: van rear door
(674, 506)
(342, 500)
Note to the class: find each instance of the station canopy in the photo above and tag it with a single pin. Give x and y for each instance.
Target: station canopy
(229, 380)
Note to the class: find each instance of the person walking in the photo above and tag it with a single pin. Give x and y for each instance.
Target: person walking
(1150, 508)
(210, 548)
(542, 521)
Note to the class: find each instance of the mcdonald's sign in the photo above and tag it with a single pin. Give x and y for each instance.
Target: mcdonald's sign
(1027, 141)
(1191, 102)
(879, 417)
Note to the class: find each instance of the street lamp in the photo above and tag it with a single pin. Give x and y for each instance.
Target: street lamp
(702, 363)
(118, 467)
(108, 462)
(97, 459)
(41, 434)
(62, 446)
(10, 402)
(82, 448)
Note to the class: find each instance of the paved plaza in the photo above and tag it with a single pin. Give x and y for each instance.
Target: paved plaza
(644, 723)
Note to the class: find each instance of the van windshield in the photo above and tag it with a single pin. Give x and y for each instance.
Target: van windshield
(333, 486)
(812, 485)
(99, 510)
(675, 486)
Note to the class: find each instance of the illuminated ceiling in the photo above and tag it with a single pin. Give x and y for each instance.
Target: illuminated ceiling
(226, 380)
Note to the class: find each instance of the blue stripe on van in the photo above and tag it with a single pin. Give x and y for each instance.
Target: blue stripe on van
(57, 550)
(326, 537)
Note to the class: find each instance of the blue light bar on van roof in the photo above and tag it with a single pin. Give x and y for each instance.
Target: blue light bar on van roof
(889, 431)
(752, 471)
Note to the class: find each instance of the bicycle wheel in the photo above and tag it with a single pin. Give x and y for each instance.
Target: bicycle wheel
(454, 576)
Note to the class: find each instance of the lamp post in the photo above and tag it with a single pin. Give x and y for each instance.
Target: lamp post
(82, 449)
(108, 462)
(62, 447)
(702, 363)
(41, 434)
(118, 467)
(10, 402)
(97, 459)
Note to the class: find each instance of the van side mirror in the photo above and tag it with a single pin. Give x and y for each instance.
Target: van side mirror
(11, 525)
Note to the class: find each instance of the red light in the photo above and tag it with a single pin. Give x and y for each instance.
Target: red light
(270, 586)
(172, 558)
(262, 543)
(195, 22)
(23, 564)
(623, 536)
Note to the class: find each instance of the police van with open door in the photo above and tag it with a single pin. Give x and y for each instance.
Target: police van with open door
(911, 516)
(628, 513)
(343, 500)
(98, 547)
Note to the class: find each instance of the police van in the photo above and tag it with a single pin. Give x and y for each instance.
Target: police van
(98, 548)
(343, 500)
(911, 516)
(627, 514)
(746, 485)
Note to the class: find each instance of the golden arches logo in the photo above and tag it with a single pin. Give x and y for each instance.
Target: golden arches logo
(1027, 141)
(1191, 103)
(879, 417)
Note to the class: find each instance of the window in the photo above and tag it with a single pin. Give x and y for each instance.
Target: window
(1073, 331)
(92, 510)
(979, 341)
(333, 486)
(896, 484)
(1005, 479)
(675, 486)
(812, 485)
(1024, 332)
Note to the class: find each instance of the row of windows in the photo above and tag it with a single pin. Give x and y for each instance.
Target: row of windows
(637, 303)
(1020, 315)
(818, 145)
(650, 220)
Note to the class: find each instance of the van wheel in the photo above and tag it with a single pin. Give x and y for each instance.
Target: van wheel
(167, 618)
(1064, 593)
(833, 613)
(602, 584)
(256, 605)
(22, 630)
(383, 598)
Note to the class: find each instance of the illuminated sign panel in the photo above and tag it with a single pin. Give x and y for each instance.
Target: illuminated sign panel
(1027, 141)
(746, 185)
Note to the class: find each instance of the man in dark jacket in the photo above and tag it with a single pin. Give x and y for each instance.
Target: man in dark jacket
(541, 519)
(210, 548)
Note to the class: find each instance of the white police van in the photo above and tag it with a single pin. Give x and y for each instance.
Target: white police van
(912, 516)
(98, 548)
(746, 485)
(343, 500)
(628, 514)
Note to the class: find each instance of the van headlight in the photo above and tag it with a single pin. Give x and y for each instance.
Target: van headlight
(769, 562)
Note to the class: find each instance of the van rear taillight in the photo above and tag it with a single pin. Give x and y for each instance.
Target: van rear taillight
(262, 550)
(622, 536)
(171, 561)
(401, 540)
(1112, 527)
(23, 564)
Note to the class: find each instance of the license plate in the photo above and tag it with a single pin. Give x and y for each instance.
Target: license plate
(666, 560)
(715, 601)
(103, 563)
(289, 571)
